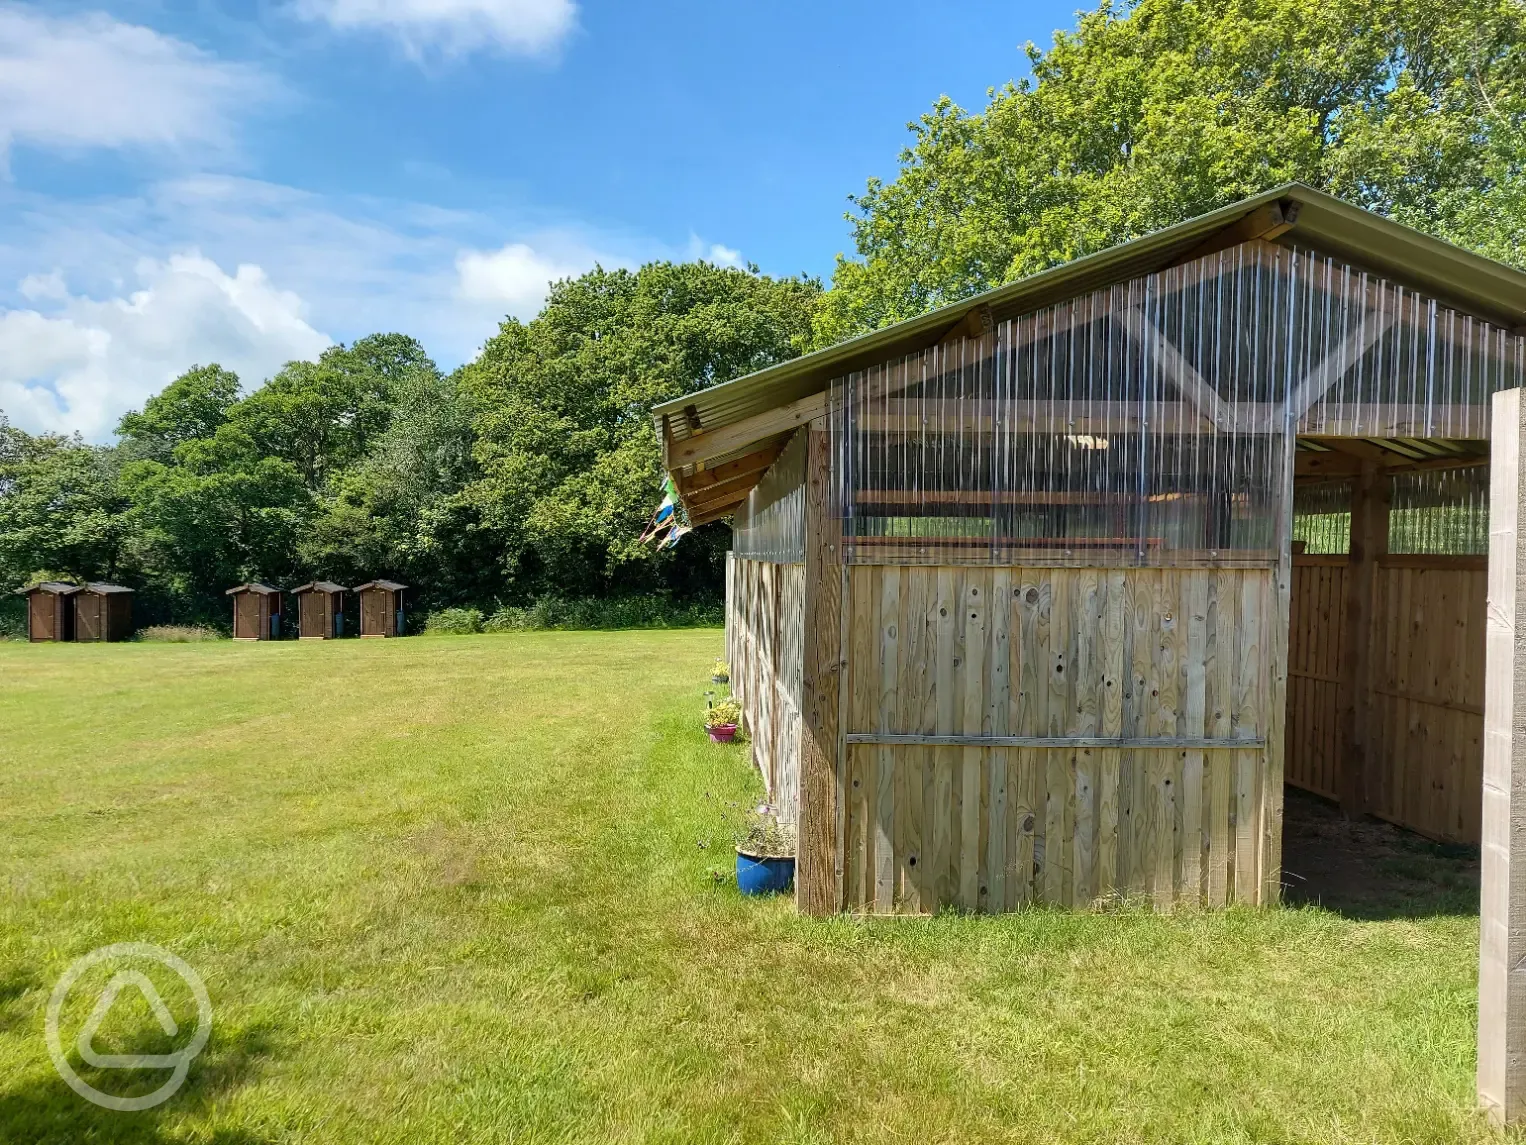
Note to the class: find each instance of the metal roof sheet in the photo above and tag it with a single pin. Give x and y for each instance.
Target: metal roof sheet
(319, 586)
(57, 587)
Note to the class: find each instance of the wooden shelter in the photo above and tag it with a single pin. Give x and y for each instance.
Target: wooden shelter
(256, 611)
(1014, 609)
(49, 611)
(102, 613)
(381, 608)
(320, 610)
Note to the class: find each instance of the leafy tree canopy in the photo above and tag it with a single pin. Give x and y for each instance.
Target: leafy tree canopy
(1154, 112)
(563, 403)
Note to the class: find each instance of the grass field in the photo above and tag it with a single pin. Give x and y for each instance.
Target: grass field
(461, 890)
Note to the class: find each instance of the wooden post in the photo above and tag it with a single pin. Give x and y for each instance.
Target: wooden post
(1369, 540)
(1502, 902)
(816, 883)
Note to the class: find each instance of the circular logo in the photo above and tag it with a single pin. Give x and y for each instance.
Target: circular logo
(179, 1062)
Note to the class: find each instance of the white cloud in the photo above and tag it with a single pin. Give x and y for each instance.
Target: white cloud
(516, 278)
(343, 265)
(84, 362)
(524, 27)
(79, 82)
(725, 256)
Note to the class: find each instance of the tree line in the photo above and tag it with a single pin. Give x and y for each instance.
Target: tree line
(530, 471)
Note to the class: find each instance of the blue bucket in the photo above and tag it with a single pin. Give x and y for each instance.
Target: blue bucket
(764, 876)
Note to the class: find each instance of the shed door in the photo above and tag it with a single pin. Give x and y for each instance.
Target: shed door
(373, 613)
(246, 616)
(88, 619)
(43, 613)
(310, 613)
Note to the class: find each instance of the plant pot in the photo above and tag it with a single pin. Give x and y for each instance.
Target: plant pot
(763, 875)
(720, 679)
(722, 733)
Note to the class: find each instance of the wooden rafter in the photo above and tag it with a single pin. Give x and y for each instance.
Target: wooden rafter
(1264, 223)
(756, 462)
(758, 428)
(1180, 371)
(720, 501)
(1333, 366)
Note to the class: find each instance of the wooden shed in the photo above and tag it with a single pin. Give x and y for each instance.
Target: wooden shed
(381, 607)
(1013, 609)
(102, 612)
(320, 610)
(256, 611)
(49, 611)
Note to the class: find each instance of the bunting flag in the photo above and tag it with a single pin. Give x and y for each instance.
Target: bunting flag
(667, 525)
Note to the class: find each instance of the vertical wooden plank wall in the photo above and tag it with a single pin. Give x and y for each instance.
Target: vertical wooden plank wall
(1426, 688)
(765, 634)
(1316, 652)
(1066, 653)
(1427, 703)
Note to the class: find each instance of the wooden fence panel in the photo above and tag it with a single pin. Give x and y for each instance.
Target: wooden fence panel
(1428, 694)
(1086, 655)
(765, 645)
(1427, 688)
(1316, 650)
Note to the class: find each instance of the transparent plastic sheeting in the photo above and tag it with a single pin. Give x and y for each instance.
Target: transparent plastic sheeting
(1149, 423)
(1322, 516)
(771, 524)
(1443, 512)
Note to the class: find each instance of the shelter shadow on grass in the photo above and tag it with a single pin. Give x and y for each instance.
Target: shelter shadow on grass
(43, 1110)
(1369, 870)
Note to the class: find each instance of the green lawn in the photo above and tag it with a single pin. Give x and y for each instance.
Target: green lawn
(462, 889)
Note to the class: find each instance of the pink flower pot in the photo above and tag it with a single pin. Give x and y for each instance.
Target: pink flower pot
(722, 733)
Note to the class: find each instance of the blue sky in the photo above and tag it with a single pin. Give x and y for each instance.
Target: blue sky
(186, 180)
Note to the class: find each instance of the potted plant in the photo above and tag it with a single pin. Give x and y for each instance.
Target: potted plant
(721, 721)
(765, 854)
(721, 673)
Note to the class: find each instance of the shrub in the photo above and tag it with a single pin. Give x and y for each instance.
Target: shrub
(616, 612)
(454, 622)
(178, 634)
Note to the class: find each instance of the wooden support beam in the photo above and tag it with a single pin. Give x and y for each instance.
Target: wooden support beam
(1502, 899)
(755, 462)
(727, 491)
(817, 890)
(1265, 223)
(715, 515)
(1074, 743)
(725, 439)
(1333, 366)
(976, 324)
(1198, 393)
(1369, 541)
(1324, 466)
(721, 501)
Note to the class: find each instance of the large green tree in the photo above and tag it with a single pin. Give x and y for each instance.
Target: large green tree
(1153, 112)
(568, 457)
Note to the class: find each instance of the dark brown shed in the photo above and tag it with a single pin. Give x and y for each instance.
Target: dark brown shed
(256, 611)
(49, 614)
(320, 610)
(102, 612)
(381, 607)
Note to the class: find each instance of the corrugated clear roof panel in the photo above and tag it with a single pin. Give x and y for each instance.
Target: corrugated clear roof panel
(771, 525)
(1148, 423)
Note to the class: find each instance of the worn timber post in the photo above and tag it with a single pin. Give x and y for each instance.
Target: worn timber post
(1370, 500)
(816, 881)
(1502, 901)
